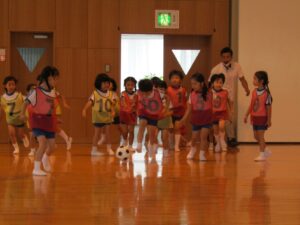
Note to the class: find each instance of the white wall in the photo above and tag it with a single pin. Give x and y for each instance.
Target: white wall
(269, 39)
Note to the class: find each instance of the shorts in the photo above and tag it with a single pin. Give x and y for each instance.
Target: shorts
(17, 126)
(165, 123)
(99, 125)
(116, 120)
(199, 127)
(151, 122)
(260, 127)
(39, 132)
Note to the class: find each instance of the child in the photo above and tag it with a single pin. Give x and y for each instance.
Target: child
(128, 114)
(177, 96)
(12, 102)
(29, 89)
(200, 107)
(150, 108)
(221, 110)
(116, 121)
(260, 110)
(102, 103)
(165, 124)
(43, 118)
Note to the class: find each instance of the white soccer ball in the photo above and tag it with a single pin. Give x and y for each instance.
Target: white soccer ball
(123, 153)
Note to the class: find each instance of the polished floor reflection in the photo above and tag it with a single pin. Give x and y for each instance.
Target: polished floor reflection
(228, 189)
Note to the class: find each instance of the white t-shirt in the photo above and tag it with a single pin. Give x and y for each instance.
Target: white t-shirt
(32, 95)
(232, 71)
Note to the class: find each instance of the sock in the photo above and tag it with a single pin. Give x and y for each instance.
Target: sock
(222, 139)
(64, 135)
(37, 165)
(16, 146)
(177, 140)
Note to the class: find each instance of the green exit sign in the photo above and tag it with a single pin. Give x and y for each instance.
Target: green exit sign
(164, 19)
(167, 19)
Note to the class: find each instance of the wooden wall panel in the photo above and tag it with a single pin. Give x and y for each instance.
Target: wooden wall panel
(71, 23)
(220, 38)
(196, 17)
(97, 58)
(4, 37)
(32, 15)
(103, 23)
(138, 16)
(72, 63)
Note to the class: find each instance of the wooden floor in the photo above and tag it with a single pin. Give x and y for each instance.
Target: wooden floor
(229, 189)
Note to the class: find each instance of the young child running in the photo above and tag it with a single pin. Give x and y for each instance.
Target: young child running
(116, 121)
(102, 103)
(260, 110)
(43, 118)
(221, 110)
(177, 96)
(200, 107)
(12, 102)
(128, 114)
(29, 89)
(150, 108)
(165, 124)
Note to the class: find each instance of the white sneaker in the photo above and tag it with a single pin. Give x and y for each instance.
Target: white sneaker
(191, 153)
(46, 164)
(31, 153)
(211, 146)
(96, 153)
(69, 143)
(263, 156)
(16, 151)
(39, 173)
(110, 152)
(202, 156)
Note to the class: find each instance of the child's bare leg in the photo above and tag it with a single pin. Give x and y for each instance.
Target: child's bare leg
(39, 155)
(130, 135)
(142, 127)
(48, 151)
(124, 132)
(177, 135)
(97, 131)
(107, 129)
(204, 143)
(261, 140)
(192, 152)
(222, 135)
(13, 138)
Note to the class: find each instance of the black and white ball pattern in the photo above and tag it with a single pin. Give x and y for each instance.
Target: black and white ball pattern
(123, 153)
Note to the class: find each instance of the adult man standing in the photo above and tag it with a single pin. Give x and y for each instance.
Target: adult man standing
(233, 72)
